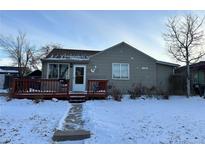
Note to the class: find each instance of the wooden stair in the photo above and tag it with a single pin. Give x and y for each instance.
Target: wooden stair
(77, 97)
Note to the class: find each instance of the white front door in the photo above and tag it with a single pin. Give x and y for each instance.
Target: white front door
(79, 77)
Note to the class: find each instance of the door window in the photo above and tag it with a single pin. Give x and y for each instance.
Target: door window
(79, 75)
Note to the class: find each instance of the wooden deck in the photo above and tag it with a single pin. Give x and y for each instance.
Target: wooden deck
(54, 88)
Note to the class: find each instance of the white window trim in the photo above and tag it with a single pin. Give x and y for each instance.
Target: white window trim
(58, 70)
(120, 72)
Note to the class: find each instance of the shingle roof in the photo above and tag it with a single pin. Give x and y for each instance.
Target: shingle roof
(64, 53)
(77, 55)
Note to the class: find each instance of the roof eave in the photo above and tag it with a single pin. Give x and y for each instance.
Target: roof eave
(167, 63)
(66, 60)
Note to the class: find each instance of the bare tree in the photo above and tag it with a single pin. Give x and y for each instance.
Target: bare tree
(185, 40)
(44, 51)
(20, 51)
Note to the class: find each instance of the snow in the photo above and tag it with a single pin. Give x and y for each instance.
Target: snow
(22, 121)
(8, 71)
(177, 120)
(62, 121)
(3, 90)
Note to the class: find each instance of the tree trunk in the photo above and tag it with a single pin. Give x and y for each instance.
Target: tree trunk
(188, 79)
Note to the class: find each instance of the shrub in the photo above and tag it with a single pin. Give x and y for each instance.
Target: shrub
(151, 92)
(8, 98)
(161, 94)
(38, 99)
(164, 95)
(135, 91)
(138, 90)
(116, 94)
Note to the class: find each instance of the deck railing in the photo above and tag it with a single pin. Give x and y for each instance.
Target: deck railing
(97, 88)
(49, 88)
(39, 86)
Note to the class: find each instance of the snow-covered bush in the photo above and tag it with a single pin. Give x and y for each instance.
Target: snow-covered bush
(151, 92)
(38, 99)
(116, 94)
(135, 91)
(164, 95)
(8, 98)
(54, 99)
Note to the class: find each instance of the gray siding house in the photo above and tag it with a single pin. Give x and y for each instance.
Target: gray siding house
(122, 65)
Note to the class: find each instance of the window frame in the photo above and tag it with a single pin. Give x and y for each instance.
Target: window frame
(58, 66)
(128, 69)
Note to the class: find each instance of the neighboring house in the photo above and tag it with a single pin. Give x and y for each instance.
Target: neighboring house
(6, 73)
(122, 65)
(197, 72)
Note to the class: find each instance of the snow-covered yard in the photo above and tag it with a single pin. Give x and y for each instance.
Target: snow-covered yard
(178, 120)
(22, 121)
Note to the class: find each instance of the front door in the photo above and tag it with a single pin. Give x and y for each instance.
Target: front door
(79, 80)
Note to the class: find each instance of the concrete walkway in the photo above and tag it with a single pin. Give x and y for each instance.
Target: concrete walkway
(72, 126)
(74, 119)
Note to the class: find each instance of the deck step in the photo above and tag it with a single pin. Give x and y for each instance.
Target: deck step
(72, 96)
(77, 101)
(71, 135)
(77, 98)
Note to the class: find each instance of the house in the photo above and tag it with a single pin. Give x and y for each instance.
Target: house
(6, 73)
(197, 72)
(121, 65)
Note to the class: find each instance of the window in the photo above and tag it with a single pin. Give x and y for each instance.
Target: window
(120, 71)
(53, 71)
(58, 71)
(63, 71)
(116, 71)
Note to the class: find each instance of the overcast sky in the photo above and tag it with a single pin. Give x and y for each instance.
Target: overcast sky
(90, 29)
